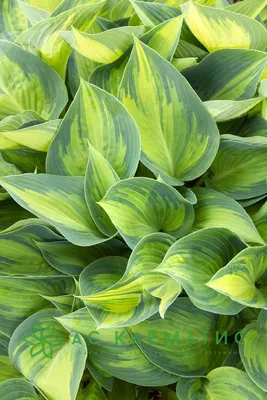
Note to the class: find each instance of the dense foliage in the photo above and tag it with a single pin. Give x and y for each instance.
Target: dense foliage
(133, 211)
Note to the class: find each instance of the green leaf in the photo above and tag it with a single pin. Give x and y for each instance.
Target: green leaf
(28, 83)
(219, 384)
(193, 260)
(233, 74)
(160, 103)
(92, 392)
(253, 350)
(121, 388)
(105, 47)
(220, 29)
(64, 358)
(214, 209)
(250, 8)
(45, 41)
(140, 206)
(239, 168)
(243, 279)
(59, 201)
(71, 260)
(7, 371)
(109, 128)
(33, 14)
(17, 389)
(225, 110)
(183, 63)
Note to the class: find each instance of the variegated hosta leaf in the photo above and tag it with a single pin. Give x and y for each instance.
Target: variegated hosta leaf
(28, 83)
(127, 301)
(12, 23)
(193, 260)
(100, 176)
(140, 206)
(244, 278)
(214, 209)
(45, 354)
(152, 14)
(20, 296)
(44, 39)
(258, 213)
(33, 14)
(48, 5)
(6, 168)
(27, 260)
(219, 384)
(105, 47)
(18, 389)
(253, 350)
(151, 352)
(225, 110)
(58, 200)
(97, 118)
(163, 38)
(36, 137)
(250, 8)
(239, 168)
(221, 29)
(7, 371)
(233, 74)
(115, 352)
(179, 137)
(71, 260)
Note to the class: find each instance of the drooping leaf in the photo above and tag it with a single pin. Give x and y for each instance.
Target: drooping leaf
(225, 110)
(250, 8)
(17, 389)
(160, 103)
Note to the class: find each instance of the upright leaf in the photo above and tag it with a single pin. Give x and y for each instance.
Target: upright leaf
(179, 137)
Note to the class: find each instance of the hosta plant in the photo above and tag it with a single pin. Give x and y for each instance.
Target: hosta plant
(133, 200)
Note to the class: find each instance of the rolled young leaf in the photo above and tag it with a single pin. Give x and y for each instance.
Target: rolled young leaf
(179, 137)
